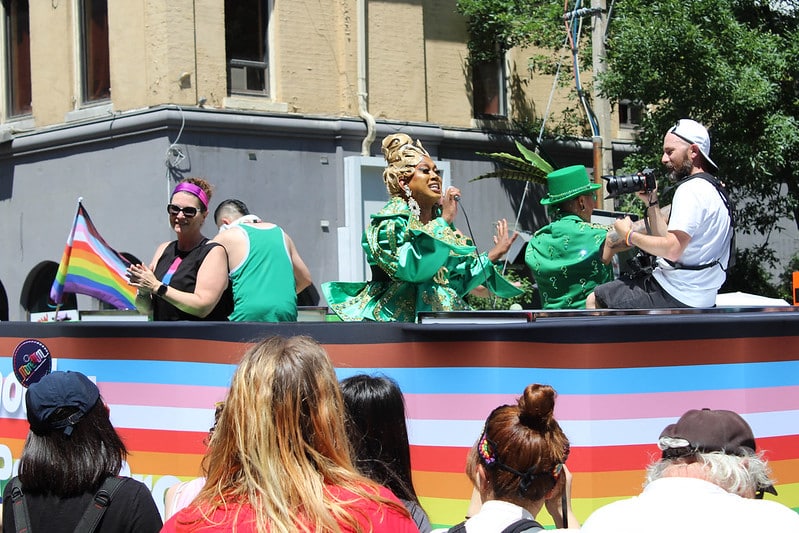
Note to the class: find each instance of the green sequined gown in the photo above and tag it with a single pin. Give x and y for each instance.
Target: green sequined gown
(428, 267)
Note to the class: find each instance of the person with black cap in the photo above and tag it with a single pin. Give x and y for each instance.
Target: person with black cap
(709, 478)
(694, 247)
(68, 473)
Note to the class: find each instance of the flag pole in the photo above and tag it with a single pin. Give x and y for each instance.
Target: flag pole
(58, 305)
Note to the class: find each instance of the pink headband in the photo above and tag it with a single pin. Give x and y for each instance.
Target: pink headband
(185, 186)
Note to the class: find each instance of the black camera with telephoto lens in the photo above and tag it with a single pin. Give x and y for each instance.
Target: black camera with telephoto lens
(643, 181)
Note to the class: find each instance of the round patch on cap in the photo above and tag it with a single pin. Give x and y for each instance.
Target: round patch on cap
(31, 361)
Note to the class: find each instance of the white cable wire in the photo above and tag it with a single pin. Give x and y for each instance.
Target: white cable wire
(173, 149)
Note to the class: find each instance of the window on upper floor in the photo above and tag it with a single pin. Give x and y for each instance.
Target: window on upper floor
(488, 89)
(629, 114)
(95, 67)
(246, 46)
(18, 57)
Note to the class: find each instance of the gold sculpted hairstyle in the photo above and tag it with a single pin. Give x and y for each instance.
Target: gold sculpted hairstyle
(525, 438)
(281, 438)
(402, 156)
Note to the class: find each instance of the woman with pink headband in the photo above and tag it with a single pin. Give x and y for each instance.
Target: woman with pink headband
(187, 278)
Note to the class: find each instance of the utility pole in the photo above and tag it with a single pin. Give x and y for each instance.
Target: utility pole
(603, 144)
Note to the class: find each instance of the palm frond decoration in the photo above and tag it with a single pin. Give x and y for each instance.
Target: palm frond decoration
(532, 167)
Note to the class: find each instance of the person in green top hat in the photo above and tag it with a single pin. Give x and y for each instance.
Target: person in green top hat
(570, 256)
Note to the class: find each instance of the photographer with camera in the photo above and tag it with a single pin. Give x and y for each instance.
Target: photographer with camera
(693, 247)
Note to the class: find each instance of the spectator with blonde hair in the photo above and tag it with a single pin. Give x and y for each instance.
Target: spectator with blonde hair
(280, 460)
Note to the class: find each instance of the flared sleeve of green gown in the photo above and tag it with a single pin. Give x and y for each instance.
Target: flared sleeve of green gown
(427, 267)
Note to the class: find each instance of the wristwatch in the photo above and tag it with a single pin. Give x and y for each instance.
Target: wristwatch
(161, 290)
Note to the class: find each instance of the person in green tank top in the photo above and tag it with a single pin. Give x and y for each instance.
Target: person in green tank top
(570, 256)
(266, 271)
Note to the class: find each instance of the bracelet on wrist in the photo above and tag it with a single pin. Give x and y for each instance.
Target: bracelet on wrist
(653, 204)
(627, 237)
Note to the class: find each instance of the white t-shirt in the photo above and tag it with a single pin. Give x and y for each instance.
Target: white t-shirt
(494, 516)
(699, 211)
(689, 505)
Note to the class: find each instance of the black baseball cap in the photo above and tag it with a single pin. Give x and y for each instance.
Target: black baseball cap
(56, 390)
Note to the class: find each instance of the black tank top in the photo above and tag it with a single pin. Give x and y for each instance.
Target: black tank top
(184, 279)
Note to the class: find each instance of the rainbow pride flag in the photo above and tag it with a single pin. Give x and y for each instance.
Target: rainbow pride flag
(90, 266)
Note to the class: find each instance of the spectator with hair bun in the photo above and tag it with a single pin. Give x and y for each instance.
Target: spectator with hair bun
(518, 466)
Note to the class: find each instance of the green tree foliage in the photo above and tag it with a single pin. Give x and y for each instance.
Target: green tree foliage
(785, 287)
(730, 65)
(529, 299)
(496, 26)
(749, 274)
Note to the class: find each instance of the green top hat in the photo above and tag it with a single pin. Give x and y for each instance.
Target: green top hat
(567, 183)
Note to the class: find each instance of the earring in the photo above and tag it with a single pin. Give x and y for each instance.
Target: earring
(412, 203)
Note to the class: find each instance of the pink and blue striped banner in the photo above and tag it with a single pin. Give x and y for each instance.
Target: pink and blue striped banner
(615, 394)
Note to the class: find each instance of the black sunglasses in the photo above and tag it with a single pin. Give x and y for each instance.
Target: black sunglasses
(188, 212)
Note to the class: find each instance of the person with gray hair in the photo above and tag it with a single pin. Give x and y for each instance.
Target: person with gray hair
(710, 477)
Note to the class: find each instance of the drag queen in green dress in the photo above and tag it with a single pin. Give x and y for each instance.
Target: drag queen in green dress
(419, 260)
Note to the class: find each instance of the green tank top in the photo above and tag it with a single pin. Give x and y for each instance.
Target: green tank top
(263, 284)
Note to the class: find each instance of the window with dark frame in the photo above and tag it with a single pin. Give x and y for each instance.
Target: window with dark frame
(246, 47)
(630, 114)
(95, 66)
(18, 57)
(488, 89)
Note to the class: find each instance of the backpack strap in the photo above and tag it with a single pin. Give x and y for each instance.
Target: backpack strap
(102, 499)
(458, 528)
(725, 198)
(22, 520)
(523, 524)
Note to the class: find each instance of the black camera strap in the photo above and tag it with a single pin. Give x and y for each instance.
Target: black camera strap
(730, 211)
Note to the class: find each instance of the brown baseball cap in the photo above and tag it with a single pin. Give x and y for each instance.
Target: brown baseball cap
(708, 430)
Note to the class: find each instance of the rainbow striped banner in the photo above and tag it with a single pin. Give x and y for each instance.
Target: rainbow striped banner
(619, 384)
(90, 266)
